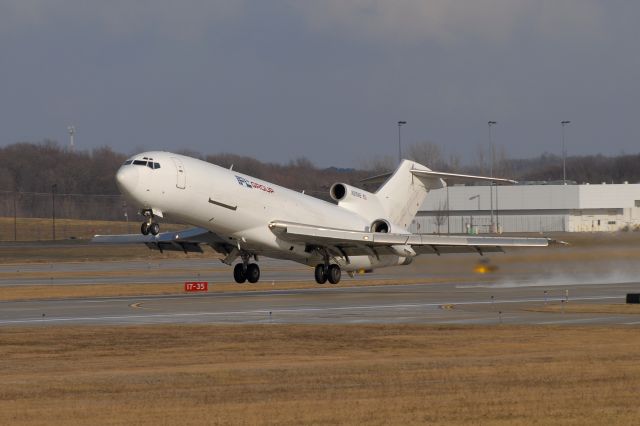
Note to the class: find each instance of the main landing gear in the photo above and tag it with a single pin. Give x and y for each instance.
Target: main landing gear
(246, 271)
(149, 226)
(324, 273)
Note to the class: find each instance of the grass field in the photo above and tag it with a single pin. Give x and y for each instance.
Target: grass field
(579, 308)
(325, 374)
(319, 375)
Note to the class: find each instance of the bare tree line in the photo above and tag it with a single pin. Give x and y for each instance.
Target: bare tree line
(84, 184)
(545, 168)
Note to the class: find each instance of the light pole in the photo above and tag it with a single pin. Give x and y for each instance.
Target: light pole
(493, 156)
(564, 154)
(497, 210)
(53, 208)
(15, 217)
(477, 196)
(400, 124)
(448, 212)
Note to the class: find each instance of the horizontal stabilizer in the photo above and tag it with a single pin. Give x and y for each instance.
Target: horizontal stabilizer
(460, 177)
(442, 175)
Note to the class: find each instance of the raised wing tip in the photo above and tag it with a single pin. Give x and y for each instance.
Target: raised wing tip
(553, 242)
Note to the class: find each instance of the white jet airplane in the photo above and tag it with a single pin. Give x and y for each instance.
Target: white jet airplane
(243, 217)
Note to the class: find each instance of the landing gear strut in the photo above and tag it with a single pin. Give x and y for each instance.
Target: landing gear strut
(324, 273)
(149, 226)
(246, 271)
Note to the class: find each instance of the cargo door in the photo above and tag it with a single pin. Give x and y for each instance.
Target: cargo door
(181, 177)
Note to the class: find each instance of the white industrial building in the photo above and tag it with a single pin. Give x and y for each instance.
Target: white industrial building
(530, 208)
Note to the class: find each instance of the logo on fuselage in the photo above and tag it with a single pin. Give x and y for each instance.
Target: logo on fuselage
(253, 185)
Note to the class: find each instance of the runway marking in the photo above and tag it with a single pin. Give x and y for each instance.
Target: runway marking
(137, 305)
(448, 306)
(295, 292)
(273, 311)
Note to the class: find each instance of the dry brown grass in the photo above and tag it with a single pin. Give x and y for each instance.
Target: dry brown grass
(573, 308)
(319, 375)
(41, 229)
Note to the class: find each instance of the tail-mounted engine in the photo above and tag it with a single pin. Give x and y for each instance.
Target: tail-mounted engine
(362, 202)
(343, 192)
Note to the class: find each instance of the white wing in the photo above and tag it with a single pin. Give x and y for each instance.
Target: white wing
(356, 242)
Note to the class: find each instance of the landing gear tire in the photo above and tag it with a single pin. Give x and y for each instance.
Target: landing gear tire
(321, 274)
(334, 274)
(253, 273)
(144, 228)
(239, 273)
(154, 228)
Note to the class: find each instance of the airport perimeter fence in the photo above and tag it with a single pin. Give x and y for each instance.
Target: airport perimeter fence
(34, 216)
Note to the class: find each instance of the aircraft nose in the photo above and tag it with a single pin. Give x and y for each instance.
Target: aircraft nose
(127, 178)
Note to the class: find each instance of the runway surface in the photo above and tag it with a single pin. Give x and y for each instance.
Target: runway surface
(511, 299)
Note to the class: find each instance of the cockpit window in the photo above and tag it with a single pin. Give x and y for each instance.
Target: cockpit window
(150, 164)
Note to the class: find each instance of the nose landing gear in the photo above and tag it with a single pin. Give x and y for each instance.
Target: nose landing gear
(149, 226)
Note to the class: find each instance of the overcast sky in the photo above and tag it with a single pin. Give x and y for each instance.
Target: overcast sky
(324, 79)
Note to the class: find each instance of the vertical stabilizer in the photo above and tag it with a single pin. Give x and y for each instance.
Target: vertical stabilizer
(403, 193)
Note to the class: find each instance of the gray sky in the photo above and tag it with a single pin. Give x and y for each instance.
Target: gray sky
(327, 80)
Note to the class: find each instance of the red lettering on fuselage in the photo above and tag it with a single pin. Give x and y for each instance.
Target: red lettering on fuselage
(261, 187)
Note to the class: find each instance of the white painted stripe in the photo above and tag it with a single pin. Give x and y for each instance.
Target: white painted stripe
(278, 311)
(579, 320)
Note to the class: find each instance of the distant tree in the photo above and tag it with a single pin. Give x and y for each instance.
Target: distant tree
(379, 164)
(440, 216)
(428, 154)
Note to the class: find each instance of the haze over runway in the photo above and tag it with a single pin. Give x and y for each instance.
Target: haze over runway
(445, 296)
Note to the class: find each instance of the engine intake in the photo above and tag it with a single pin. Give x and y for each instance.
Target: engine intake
(380, 225)
(338, 191)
